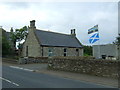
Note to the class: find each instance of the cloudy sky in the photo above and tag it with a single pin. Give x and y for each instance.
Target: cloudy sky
(63, 16)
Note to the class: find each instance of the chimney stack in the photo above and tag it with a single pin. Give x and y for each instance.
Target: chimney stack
(73, 32)
(0, 26)
(11, 30)
(32, 24)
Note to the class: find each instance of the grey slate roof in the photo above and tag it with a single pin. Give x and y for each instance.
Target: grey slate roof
(47, 38)
(7, 34)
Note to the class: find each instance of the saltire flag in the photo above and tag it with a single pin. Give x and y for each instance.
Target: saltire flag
(94, 35)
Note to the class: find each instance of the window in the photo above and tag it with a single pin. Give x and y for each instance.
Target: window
(65, 52)
(50, 50)
(77, 50)
(42, 51)
(50, 53)
(64, 49)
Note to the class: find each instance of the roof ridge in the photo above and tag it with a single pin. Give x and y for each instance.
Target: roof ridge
(56, 39)
(53, 32)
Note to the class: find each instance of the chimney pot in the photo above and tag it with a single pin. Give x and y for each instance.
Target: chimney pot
(32, 24)
(73, 32)
(11, 30)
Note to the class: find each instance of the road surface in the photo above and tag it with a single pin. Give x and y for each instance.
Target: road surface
(19, 78)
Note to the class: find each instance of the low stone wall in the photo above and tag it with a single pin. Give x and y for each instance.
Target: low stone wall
(105, 68)
(28, 60)
(9, 60)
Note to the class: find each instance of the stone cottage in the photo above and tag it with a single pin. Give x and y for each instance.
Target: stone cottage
(40, 43)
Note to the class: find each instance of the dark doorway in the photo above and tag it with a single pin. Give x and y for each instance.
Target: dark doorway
(26, 51)
(77, 52)
(103, 56)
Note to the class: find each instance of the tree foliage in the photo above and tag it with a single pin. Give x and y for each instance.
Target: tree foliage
(19, 34)
(88, 50)
(117, 41)
(6, 47)
(14, 37)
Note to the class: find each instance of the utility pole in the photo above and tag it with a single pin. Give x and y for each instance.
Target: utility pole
(118, 45)
(118, 48)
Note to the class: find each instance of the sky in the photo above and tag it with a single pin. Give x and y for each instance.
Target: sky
(63, 16)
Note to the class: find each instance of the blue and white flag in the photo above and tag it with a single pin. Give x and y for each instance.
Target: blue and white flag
(93, 29)
(94, 35)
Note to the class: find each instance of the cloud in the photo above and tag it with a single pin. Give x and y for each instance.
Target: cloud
(63, 16)
(16, 5)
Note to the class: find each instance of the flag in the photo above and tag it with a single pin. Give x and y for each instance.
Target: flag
(94, 38)
(93, 29)
(94, 35)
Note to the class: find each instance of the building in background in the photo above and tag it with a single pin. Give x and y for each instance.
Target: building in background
(40, 43)
(108, 51)
(7, 35)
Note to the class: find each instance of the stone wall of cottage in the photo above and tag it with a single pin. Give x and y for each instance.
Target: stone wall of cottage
(34, 49)
(59, 51)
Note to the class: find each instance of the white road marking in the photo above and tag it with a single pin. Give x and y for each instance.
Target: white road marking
(28, 70)
(22, 68)
(9, 81)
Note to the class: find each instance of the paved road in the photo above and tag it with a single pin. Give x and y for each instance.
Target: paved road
(18, 78)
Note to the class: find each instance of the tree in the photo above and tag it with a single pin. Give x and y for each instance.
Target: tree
(19, 34)
(6, 48)
(87, 50)
(117, 41)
